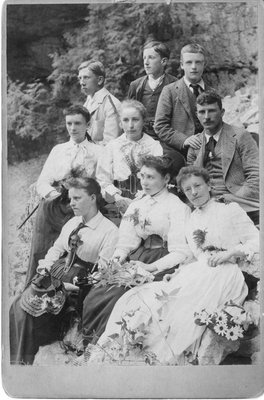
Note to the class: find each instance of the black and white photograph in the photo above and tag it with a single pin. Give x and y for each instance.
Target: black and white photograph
(132, 215)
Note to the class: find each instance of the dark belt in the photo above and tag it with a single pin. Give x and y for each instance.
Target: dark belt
(154, 242)
(129, 187)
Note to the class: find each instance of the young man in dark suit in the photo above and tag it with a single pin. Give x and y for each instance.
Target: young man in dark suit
(147, 89)
(176, 123)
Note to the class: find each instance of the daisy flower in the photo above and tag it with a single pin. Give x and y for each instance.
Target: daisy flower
(221, 318)
(220, 329)
(234, 333)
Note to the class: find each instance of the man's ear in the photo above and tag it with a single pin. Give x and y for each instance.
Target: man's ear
(222, 112)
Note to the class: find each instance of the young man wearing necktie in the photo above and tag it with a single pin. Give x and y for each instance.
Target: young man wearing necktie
(230, 155)
(176, 123)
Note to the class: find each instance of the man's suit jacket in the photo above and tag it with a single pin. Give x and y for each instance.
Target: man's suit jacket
(136, 88)
(104, 123)
(240, 161)
(174, 120)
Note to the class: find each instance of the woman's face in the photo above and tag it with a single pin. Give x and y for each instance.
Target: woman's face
(81, 202)
(196, 190)
(152, 181)
(132, 123)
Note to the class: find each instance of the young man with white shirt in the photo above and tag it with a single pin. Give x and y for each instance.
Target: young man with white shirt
(54, 209)
(147, 89)
(101, 104)
(176, 123)
(230, 155)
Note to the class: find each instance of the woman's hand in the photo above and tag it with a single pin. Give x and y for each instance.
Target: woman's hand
(220, 258)
(119, 256)
(122, 203)
(146, 267)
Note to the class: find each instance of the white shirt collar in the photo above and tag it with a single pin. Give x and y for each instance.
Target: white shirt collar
(188, 83)
(77, 144)
(94, 222)
(216, 136)
(154, 83)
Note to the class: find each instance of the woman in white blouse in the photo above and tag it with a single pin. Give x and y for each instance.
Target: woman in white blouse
(151, 232)
(118, 166)
(220, 236)
(54, 210)
(87, 238)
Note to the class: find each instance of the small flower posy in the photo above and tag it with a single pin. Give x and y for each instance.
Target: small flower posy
(199, 236)
(231, 322)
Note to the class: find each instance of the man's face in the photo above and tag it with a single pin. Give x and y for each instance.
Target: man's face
(210, 116)
(90, 83)
(153, 63)
(76, 126)
(193, 66)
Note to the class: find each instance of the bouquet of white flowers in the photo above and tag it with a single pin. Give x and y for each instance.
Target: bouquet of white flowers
(230, 322)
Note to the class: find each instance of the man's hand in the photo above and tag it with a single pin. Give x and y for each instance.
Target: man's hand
(52, 194)
(225, 198)
(193, 141)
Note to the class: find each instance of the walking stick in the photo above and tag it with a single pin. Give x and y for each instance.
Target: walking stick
(29, 215)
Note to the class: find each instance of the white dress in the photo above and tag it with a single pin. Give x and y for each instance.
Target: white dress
(166, 309)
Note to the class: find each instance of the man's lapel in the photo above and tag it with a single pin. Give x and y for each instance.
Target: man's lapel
(201, 152)
(183, 96)
(228, 147)
(98, 100)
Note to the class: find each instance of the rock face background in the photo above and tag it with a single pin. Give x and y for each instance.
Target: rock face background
(36, 31)
(228, 31)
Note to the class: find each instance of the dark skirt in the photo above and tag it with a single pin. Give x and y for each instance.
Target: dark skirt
(27, 333)
(51, 216)
(100, 302)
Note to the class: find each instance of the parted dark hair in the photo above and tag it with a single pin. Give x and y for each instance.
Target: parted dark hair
(209, 97)
(187, 172)
(77, 109)
(78, 179)
(95, 66)
(134, 104)
(162, 164)
(161, 48)
(193, 48)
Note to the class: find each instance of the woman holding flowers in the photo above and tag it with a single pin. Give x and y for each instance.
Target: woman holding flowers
(151, 235)
(220, 236)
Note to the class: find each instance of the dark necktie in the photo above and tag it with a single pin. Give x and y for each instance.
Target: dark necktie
(209, 150)
(74, 242)
(196, 89)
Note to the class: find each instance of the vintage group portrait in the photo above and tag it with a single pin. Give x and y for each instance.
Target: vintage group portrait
(132, 199)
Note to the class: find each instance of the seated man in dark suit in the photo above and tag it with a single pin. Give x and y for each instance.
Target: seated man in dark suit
(229, 153)
(176, 123)
(147, 89)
